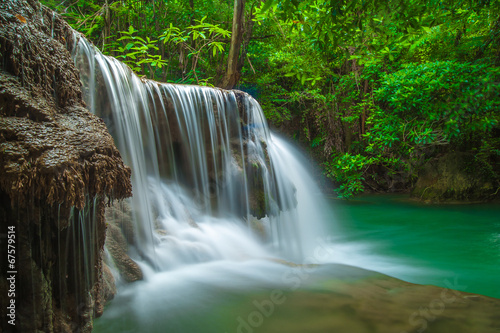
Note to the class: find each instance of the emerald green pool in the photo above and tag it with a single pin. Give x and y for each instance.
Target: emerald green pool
(439, 243)
(451, 246)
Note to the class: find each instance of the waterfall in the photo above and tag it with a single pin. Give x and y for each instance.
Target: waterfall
(198, 154)
(211, 183)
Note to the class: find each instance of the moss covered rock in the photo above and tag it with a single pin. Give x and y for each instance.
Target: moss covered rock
(455, 177)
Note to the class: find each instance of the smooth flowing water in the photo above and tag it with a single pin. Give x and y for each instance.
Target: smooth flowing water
(223, 209)
(205, 169)
(219, 202)
(444, 245)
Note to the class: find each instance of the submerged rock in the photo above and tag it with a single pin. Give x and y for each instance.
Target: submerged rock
(348, 299)
(58, 164)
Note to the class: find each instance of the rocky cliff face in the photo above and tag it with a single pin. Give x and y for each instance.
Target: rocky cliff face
(58, 169)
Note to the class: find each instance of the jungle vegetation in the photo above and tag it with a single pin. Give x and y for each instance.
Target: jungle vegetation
(374, 89)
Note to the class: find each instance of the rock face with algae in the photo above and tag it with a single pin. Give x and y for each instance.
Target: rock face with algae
(456, 177)
(59, 168)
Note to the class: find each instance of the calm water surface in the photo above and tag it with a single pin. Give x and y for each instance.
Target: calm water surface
(432, 243)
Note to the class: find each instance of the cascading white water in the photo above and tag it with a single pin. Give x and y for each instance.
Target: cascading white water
(213, 189)
(198, 156)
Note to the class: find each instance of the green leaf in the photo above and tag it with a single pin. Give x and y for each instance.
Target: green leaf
(266, 5)
(427, 29)
(140, 39)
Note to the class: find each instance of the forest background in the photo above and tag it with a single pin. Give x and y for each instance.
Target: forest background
(375, 90)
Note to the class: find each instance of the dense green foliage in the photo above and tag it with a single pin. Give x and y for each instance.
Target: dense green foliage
(174, 41)
(373, 88)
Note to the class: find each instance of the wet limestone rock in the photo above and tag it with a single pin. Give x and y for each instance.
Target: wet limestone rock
(117, 246)
(58, 168)
(107, 291)
(119, 214)
(119, 234)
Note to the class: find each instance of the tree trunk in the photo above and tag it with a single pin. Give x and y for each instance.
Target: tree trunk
(107, 24)
(364, 114)
(232, 75)
(247, 35)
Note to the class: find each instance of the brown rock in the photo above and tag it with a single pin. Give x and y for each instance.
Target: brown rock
(107, 289)
(118, 248)
(58, 164)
